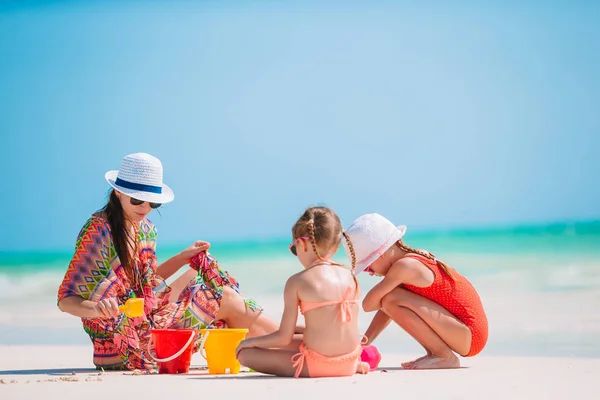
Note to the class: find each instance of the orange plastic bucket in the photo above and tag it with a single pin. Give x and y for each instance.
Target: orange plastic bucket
(220, 345)
(173, 349)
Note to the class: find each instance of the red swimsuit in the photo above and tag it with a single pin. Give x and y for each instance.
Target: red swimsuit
(457, 296)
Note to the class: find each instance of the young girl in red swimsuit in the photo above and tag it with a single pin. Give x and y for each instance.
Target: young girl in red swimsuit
(436, 305)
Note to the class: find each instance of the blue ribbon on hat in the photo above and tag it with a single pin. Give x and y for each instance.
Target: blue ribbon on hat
(138, 186)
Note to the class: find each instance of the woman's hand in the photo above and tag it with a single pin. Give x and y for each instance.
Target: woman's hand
(107, 308)
(197, 247)
(172, 265)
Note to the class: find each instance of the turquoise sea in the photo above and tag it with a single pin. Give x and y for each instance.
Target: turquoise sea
(540, 286)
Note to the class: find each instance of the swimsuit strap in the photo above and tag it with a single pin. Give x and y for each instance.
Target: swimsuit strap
(298, 360)
(345, 310)
(326, 262)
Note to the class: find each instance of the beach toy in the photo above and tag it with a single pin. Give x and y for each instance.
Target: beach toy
(220, 346)
(173, 349)
(371, 356)
(133, 308)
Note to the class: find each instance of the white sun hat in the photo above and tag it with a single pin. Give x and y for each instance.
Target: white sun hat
(141, 177)
(371, 235)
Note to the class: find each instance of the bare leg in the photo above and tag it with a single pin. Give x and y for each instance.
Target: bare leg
(409, 364)
(180, 283)
(279, 362)
(270, 361)
(418, 329)
(380, 321)
(233, 309)
(434, 327)
(237, 315)
(294, 344)
(411, 322)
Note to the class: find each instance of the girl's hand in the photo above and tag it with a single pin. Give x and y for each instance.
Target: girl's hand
(107, 308)
(197, 247)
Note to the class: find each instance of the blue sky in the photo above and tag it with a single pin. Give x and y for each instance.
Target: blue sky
(430, 113)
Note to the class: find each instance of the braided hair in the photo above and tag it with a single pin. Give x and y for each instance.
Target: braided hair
(427, 255)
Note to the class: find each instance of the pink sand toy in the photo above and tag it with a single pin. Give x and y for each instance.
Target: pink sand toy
(371, 356)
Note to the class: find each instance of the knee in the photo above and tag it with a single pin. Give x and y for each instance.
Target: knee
(393, 300)
(231, 301)
(389, 302)
(227, 292)
(243, 357)
(240, 357)
(228, 295)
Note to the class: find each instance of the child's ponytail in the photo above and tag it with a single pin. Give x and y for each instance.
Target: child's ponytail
(352, 260)
(427, 255)
(311, 236)
(352, 254)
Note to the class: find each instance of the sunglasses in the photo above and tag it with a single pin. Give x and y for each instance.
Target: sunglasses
(293, 245)
(369, 271)
(136, 202)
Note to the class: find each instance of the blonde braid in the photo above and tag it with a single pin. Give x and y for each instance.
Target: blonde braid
(311, 235)
(427, 255)
(353, 261)
(351, 247)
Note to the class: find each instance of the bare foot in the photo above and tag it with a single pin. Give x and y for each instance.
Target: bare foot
(363, 368)
(410, 364)
(437, 362)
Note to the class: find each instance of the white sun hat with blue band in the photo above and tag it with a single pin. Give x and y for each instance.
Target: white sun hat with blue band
(141, 177)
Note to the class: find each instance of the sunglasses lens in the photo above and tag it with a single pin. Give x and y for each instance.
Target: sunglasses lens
(293, 250)
(136, 202)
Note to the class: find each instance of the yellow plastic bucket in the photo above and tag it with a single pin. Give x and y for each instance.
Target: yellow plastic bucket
(220, 345)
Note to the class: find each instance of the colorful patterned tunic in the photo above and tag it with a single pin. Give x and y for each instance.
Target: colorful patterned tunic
(95, 273)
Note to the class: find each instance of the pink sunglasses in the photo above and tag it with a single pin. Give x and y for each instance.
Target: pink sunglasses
(369, 271)
(293, 245)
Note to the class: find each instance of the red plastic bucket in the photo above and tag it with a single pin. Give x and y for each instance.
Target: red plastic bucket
(173, 349)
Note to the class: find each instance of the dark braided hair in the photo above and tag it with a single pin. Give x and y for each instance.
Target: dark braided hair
(122, 238)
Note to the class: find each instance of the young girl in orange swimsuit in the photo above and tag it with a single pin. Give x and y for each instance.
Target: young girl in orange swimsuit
(327, 294)
(431, 301)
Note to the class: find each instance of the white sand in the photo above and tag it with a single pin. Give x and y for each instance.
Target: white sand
(36, 372)
(522, 321)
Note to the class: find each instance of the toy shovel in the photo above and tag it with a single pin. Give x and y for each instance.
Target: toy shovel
(133, 308)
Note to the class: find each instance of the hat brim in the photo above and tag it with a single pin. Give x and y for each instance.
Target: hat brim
(394, 237)
(166, 196)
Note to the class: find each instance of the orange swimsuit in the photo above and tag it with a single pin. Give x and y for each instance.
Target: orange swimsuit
(345, 303)
(319, 365)
(457, 296)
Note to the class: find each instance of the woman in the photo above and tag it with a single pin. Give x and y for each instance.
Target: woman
(115, 260)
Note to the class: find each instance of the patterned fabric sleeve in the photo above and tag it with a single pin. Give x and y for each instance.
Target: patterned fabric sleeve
(156, 291)
(208, 267)
(91, 262)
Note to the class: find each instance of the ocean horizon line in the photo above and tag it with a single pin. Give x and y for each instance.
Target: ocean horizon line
(579, 227)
